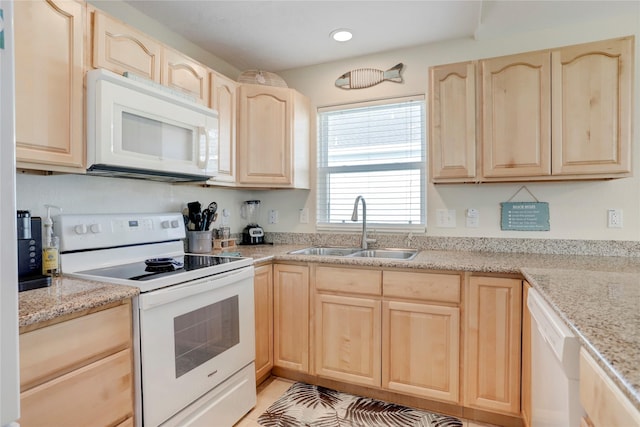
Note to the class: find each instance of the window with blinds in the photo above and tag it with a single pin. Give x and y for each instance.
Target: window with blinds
(376, 150)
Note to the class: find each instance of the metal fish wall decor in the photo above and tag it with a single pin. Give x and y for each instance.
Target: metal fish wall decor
(367, 77)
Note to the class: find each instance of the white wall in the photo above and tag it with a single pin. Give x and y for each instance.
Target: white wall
(577, 209)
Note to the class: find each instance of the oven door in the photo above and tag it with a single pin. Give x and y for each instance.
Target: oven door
(193, 336)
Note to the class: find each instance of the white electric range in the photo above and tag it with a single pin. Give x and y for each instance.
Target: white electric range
(194, 333)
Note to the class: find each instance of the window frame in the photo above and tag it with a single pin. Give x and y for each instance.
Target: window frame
(323, 171)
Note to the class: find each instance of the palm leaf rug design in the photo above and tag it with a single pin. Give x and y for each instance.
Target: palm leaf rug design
(305, 405)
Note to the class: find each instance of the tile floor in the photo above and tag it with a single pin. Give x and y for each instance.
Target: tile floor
(272, 389)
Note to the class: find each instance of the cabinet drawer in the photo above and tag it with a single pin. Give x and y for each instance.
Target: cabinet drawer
(422, 286)
(99, 394)
(57, 349)
(353, 281)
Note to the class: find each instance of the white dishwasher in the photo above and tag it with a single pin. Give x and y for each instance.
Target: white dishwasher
(555, 395)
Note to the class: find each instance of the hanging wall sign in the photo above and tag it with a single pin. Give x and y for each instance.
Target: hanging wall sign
(524, 216)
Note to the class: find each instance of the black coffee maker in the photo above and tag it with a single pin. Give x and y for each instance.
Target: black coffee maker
(30, 253)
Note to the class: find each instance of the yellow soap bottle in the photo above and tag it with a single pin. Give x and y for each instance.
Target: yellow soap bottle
(50, 246)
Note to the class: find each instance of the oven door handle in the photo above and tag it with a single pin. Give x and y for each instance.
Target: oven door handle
(175, 293)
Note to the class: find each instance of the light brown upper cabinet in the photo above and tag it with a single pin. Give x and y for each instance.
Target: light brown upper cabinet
(558, 114)
(118, 47)
(49, 85)
(185, 75)
(223, 99)
(453, 121)
(592, 108)
(516, 115)
(274, 128)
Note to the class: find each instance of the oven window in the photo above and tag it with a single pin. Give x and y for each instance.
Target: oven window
(202, 334)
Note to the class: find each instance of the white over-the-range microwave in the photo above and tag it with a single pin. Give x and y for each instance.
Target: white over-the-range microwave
(140, 129)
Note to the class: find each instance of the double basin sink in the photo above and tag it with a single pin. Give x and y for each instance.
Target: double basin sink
(400, 254)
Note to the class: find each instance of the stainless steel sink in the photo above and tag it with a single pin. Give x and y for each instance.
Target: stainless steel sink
(403, 254)
(325, 251)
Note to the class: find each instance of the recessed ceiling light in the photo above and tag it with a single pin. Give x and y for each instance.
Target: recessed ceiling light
(341, 35)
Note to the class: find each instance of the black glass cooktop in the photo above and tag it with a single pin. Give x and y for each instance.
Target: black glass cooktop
(160, 267)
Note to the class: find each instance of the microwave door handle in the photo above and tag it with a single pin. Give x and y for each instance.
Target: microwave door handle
(202, 133)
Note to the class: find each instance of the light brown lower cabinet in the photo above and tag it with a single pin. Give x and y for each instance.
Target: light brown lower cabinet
(291, 316)
(85, 375)
(263, 300)
(601, 398)
(348, 338)
(492, 344)
(421, 335)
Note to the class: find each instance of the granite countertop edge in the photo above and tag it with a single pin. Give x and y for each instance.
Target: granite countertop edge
(68, 296)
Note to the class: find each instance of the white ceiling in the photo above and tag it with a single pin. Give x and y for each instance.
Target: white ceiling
(281, 35)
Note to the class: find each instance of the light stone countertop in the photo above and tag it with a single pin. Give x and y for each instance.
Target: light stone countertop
(598, 297)
(67, 296)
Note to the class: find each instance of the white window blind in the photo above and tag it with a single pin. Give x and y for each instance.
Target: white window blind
(376, 151)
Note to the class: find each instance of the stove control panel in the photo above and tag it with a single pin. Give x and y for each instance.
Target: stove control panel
(81, 232)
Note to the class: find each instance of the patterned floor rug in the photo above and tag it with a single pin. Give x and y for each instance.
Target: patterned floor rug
(305, 405)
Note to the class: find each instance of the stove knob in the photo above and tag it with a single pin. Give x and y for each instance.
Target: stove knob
(166, 224)
(96, 228)
(175, 223)
(80, 229)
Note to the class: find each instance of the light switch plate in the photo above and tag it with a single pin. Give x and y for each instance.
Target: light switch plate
(304, 216)
(446, 218)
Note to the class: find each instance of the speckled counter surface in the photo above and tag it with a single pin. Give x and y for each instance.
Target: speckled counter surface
(598, 297)
(67, 296)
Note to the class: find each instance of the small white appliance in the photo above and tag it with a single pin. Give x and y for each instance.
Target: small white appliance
(194, 331)
(555, 385)
(138, 128)
(9, 369)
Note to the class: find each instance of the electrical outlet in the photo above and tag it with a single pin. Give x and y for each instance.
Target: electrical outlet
(473, 218)
(273, 216)
(614, 218)
(446, 218)
(304, 216)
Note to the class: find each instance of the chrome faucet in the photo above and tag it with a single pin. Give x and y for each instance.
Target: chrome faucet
(354, 217)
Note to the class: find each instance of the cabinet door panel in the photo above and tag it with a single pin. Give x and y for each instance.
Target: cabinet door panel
(263, 297)
(291, 316)
(516, 115)
(592, 100)
(264, 135)
(453, 121)
(99, 394)
(186, 75)
(49, 84)
(421, 350)
(120, 48)
(223, 99)
(492, 344)
(348, 339)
